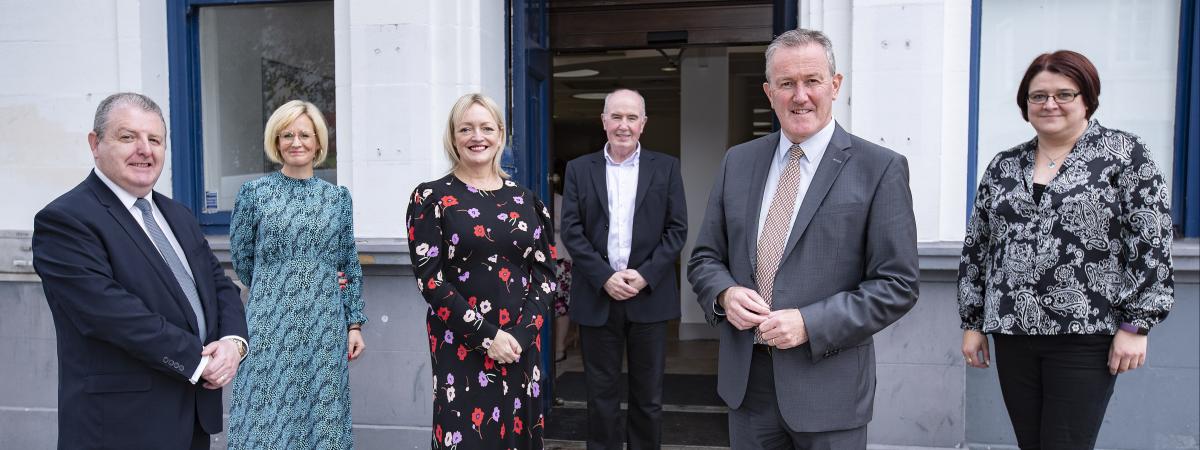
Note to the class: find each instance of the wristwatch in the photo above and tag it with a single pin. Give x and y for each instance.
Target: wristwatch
(241, 347)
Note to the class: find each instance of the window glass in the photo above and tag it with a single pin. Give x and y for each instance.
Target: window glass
(252, 60)
(1133, 43)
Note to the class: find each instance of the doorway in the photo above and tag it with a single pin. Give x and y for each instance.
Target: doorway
(703, 90)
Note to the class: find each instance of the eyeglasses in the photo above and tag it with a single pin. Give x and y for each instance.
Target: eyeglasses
(469, 131)
(1038, 98)
(289, 137)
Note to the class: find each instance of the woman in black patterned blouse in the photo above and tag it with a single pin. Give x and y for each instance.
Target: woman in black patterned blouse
(1067, 259)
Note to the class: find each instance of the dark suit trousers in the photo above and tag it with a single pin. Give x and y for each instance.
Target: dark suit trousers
(1056, 388)
(758, 424)
(200, 439)
(603, 348)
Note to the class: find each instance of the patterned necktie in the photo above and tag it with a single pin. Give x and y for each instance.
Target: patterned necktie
(181, 276)
(773, 237)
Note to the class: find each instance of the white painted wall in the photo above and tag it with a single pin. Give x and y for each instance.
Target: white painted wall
(905, 64)
(703, 139)
(399, 70)
(60, 59)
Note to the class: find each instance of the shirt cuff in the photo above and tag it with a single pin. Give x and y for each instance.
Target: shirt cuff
(717, 309)
(199, 369)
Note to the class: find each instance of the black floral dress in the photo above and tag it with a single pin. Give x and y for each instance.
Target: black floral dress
(484, 262)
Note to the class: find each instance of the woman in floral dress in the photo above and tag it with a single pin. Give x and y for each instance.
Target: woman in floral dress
(481, 254)
(290, 236)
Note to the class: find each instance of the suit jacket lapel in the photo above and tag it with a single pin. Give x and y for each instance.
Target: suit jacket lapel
(758, 184)
(831, 165)
(600, 181)
(646, 169)
(121, 214)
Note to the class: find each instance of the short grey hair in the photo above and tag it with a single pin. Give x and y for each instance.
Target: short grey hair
(111, 102)
(801, 37)
(614, 92)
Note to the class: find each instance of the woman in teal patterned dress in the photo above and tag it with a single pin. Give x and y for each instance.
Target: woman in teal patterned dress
(290, 236)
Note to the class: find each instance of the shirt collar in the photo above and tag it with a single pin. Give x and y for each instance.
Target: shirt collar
(814, 147)
(123, 196)
(632, 160)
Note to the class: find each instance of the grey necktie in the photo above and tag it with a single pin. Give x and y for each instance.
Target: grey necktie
(181, 275)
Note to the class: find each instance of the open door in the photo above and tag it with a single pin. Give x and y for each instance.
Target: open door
(527, 155)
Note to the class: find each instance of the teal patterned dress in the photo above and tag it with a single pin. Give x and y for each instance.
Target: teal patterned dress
(289, 239)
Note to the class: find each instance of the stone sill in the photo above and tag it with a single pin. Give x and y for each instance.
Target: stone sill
(383, 256)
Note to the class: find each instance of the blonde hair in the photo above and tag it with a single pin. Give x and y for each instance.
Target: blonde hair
(284, 116)
(456, 114)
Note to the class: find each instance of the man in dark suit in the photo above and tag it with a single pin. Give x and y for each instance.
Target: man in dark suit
(149, 327)
(624, 221)
(807, 249)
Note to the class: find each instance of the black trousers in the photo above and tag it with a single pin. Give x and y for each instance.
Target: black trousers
(758, 424)
(1056, 388)
(603, 349)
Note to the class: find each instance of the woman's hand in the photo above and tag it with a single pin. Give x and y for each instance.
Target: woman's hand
(1128, 352)
(975, 349)
(504, 349)
(354, 341)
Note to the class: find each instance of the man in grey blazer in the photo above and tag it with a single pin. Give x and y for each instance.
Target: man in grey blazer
(807, 249)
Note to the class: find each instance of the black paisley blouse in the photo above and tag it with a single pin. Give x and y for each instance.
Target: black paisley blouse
(1093, 253)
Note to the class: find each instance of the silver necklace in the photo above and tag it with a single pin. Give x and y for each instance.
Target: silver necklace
(1054, 161)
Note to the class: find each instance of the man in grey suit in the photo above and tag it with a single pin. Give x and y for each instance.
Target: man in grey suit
(807, 249)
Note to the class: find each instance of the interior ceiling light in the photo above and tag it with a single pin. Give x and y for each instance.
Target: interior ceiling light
(672, 61)
(578, 73)
(761, 133)
(762, 124)
(761, 110)
(590, 96)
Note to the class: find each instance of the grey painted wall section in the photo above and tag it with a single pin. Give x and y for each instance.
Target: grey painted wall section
(925, 396)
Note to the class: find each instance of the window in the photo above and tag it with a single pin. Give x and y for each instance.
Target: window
(1132, 43)
(231, 66)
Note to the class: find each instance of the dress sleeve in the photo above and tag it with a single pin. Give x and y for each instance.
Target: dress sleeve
(352, 300)
(243, 232)
(542, 282)
(973, 265)
(1149, 290)
(426, 247)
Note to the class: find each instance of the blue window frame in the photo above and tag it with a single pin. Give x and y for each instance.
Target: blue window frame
(1185, 199)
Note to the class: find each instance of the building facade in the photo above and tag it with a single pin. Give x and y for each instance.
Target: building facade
(931, 79)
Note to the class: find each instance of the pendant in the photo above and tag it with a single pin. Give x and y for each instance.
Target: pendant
(1050, 164)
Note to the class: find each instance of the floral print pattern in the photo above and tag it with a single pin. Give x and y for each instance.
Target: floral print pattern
(484, 262)
(1093, 253)
(562, 299)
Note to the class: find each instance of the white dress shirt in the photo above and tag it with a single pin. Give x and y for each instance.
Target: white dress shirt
(814, 149)
(128, 199)
(622, 181)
